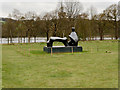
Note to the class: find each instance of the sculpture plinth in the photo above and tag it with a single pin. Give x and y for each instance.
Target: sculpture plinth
(62, 49)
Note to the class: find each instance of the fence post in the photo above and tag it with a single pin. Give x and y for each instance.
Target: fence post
(51, 50)
(72, 50)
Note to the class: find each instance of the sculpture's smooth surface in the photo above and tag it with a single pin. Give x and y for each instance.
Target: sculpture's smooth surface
(73, 39)
(52, 39)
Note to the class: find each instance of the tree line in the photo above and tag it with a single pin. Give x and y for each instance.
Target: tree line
(58, 22)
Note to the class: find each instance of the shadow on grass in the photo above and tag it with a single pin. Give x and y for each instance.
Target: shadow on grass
(42, 52)
(76, 52)
(61, 74)
(37, 52)
(84, 51)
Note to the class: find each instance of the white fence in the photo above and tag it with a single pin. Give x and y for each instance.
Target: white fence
(15, 40)
(38, 39)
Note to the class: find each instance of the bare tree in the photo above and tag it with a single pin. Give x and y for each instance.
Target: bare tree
(119, 19)
(30, 20)
(30, 15)
(101, 24)
(47, 19)
(111, 15)
(72, 8)
(9, 29)
(92, 12)
(16, 14)
(61, 11)
(92, 29)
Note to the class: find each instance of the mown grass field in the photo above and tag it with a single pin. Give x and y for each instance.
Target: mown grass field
(27, 66)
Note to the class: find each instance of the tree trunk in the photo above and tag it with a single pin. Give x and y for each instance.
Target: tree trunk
(35, 39)
(101, 33)
(28, 34)
(101, 38)
(18, 39)
(119, 29)
(24, 39)
(47, 36)
(90, 36)
(111, 37)
(10, 36)
(95, 38)
(54, 34)
(28, 39)
(21, 39)
(116, 30)
(8, 40)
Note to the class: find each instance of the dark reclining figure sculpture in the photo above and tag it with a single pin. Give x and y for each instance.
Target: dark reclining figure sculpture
(73, 39)
(52, 39)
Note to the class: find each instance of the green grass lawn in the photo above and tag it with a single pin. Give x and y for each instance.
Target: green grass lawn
(0, 66)
(27, 66)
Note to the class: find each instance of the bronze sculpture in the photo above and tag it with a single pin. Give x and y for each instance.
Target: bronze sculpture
(73, 39)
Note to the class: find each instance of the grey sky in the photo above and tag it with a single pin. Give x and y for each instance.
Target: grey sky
(41, 6)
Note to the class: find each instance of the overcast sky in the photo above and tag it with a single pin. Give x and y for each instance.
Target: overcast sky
(41, 6)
